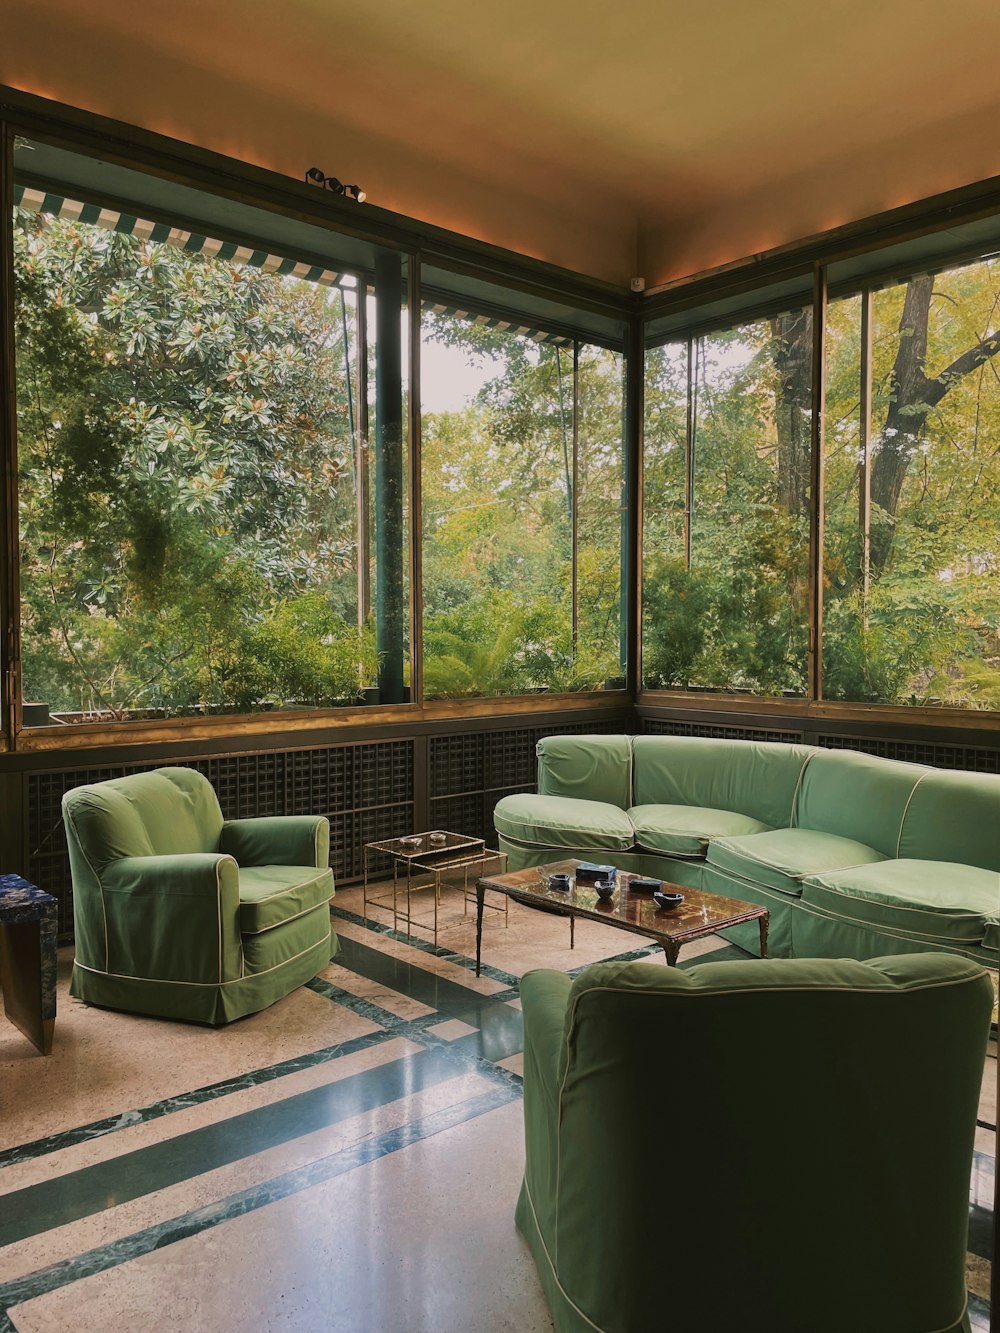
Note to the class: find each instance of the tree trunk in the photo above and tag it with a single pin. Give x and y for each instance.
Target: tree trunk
(791, 351)
(912, 397)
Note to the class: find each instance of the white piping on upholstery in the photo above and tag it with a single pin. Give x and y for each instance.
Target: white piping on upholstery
(792, 815)
(100, 884)
(171, 981)
(545, 1248)
(899, 840)
(930, 942)
(289, 888)
(285, 920)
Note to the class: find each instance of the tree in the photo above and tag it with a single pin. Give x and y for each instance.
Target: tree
(185, 476)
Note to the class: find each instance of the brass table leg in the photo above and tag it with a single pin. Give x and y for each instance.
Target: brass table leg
(480, 900)
(765, 919)
(672, 949)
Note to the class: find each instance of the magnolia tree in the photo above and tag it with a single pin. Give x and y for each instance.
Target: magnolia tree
(187, 497)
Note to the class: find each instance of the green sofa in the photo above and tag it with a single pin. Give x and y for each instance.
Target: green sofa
(797, 1156)
(180, 913)
(854, 856)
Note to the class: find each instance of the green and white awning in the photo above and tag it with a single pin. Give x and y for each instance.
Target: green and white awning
(161, 233)
(52, 205)
(492, 322)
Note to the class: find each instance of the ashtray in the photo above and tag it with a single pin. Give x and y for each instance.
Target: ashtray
(411, 844)
(666, 902)
(437, 839)
(605, 889)
(559, 882)
(644, 885)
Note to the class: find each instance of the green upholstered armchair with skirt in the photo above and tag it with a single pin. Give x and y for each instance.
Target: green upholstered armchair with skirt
(180, 913)
(769, 1147)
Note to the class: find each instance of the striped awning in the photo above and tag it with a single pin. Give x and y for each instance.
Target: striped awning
(160, 233)
(126, 224)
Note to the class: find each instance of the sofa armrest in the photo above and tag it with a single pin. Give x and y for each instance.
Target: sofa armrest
(280, 840)
(173, 918)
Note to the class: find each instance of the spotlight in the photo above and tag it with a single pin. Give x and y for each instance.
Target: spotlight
(315, 176)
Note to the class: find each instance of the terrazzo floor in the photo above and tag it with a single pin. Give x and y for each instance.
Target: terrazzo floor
(347, 1160)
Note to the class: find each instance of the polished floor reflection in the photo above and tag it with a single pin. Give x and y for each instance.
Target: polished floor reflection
(348, 1159)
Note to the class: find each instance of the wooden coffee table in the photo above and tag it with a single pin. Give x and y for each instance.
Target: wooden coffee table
(699, 913)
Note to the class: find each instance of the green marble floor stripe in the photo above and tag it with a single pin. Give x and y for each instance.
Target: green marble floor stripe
(152, 1238)
(181, 1101)
(67, 1198)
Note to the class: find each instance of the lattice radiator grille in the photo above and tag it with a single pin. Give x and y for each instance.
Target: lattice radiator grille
(722, 731)
(977, 759)
(366, 791)
(470, 773)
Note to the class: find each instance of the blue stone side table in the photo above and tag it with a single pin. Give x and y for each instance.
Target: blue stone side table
(28, 928)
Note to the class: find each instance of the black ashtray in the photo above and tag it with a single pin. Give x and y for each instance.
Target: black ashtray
(559, 882)
(666, 902)
(644, 885)
(605, 889)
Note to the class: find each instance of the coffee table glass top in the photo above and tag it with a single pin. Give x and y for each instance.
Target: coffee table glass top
(698, 914)
(420, 846)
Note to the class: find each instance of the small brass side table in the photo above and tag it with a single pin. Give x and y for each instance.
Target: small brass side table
(420, 862)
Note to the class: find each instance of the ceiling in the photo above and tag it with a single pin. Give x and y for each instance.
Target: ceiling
(652, 138)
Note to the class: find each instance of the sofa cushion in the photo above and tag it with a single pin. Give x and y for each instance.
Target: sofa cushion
(588, 768)
(759, 779)
(270, 895)
(857, 796)
(782, 858)
(685, 830)
(563, 821)
(953, 817)
(935, 902)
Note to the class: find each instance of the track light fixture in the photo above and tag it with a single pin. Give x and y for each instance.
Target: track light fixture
(315, 176)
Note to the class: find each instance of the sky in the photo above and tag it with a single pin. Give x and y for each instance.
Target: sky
(448, 380)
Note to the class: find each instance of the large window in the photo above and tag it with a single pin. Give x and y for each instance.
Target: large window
(522, 468)
(726, 508)
(193, 472)
(912, 550)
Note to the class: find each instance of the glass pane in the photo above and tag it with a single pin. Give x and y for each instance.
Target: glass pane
(666, 582)
(917, 620)
(733, 614)
(497, 462)
(600, 515)
(189, 466)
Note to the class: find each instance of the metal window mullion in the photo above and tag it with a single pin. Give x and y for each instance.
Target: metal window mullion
(416, 489)
(865, 435)
(689, 434)
(816, 516)
(10, 601)
(574, 498)
(362, 455)
(632, 611)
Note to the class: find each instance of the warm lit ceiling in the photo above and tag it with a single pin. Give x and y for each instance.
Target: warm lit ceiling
(640, 137)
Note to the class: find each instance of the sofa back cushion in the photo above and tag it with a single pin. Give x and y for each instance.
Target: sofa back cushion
(953, 817)
(759, 779)
(161, 813)
(591, 768)
(857, 796)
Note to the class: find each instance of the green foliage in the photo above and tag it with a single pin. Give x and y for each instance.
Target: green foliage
(498, 545)
(186, 480)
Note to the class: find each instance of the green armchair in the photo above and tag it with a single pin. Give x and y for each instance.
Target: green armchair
(180, 913)
(764, 1146)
